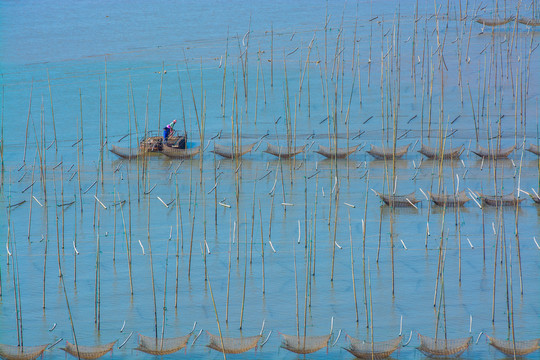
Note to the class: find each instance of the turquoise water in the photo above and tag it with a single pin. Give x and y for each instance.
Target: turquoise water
(101, 66)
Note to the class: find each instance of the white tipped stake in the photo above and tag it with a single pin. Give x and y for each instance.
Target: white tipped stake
(523, 191)
(142, 247)
(408, 341)
(410, 202)
(322, 189)
(427, 228)
(299, 232)
(402, 243)
(272, 246)
(463, 163)
(331, 324)
(123, 326)
(350, 205)
(535, 193)
(54, 344)
(262, 327)
(338, 335)
(470, 324)
(40, 204)
(234, 232)
(193, 329)
(414, 164)
(335, 242)
(74, 248)
(207, 248)
(513, 163)
(286, 204)
(538, 246)
(400, 324)
(196, 337)
(265, 341)
(99, 201)
(7, 249)
(125, 341)
(53, 327)
(335, 184)
(423, 193)
(493, 227)
(473, 197)
(363, 226)
(170, 233)
(457, 185)
(478, 338)
(224, 205)
(163, 202)
(470, 244)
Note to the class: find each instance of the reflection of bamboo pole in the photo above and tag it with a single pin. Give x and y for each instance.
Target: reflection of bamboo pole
(352, 267)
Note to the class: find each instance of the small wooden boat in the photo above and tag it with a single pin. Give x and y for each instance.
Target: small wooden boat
(229, 345)
(339, 153)
(232, 152)
(178, 153)
(514, 348)
(494, 22)
(500, 200)
(451, 200)
(387, 153)
(529, 21)
(159, 346)
(12, 352)
(375, 350)
(126, 153)
(437, 347)
(535, 149)
(88, 352)
(399, 200)
(304, 345)
(155, 143)
(284, 152)
(493, 154)
(433, 153)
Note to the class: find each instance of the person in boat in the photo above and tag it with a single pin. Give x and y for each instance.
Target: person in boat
(168, 130)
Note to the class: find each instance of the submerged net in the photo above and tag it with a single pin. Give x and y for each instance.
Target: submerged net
(11, 352)
(126, 153)
(387, 153)
(88, 352)
(399, 200)
(512, 348)
(304, 345)
(443, 347)
(339, 152)
(284, 151)
(159, 346)
(458, 199)
(535, 149)
(493, 154)
(500, 200)
(494, 22)
(433, 153)
(232, 345)
(180, 153)
(375, 350)
(231, 152)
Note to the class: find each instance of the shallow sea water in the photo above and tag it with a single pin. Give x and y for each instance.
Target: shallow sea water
(103, 63)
